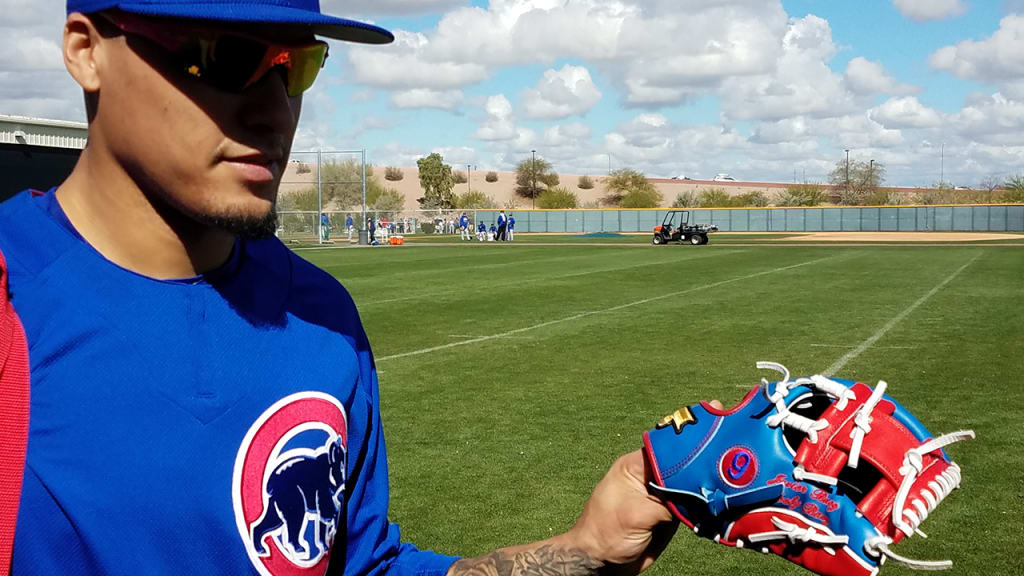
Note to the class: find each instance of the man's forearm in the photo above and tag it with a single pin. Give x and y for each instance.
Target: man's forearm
(552, 557)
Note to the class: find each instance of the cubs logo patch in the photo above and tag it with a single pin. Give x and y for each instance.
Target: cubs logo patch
(738, 467)
(289, 484)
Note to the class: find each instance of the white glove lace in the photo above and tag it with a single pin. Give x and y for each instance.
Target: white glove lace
(797, 535)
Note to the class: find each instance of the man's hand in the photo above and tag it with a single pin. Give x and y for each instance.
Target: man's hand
(622, 523)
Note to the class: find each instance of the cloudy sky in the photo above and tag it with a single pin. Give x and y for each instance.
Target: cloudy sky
(761, 89)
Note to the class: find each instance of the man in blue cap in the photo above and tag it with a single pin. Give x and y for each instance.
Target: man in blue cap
(178, 423)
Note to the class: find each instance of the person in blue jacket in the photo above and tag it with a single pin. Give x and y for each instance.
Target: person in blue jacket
(502, 223)
(511, 227)
(349, 226)
(492, 232)
(179, 423)
(481, 231)
(464, 227)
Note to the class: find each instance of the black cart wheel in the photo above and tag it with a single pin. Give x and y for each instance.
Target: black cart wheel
(695, 240)
(703, 239)
(657, 239)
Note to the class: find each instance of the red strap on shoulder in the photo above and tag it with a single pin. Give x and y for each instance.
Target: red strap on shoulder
(14, 396)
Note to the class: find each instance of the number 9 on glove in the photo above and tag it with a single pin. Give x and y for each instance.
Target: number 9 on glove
(826, 473)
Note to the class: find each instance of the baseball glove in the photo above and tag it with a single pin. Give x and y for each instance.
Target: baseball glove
(826, 473)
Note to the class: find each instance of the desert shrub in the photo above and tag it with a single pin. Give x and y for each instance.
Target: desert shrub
(474, 199)
(459, 177)
(755, 198)
(393, 174)
(491, 177)
(303, 168)
(557, 197)
(803, 195)
(427, 227)
(642, 198)
(714, 198)
(627, 182)
(686, 199)
(585, 183)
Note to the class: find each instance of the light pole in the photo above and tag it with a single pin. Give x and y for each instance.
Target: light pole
(469, 179)
(942, 165)
(847, 170)
(871, 173)
(533, 170)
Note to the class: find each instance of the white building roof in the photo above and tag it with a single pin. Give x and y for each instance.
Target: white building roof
(43, 132)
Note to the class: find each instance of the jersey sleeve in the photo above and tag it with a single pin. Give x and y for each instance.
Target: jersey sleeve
(373, 544)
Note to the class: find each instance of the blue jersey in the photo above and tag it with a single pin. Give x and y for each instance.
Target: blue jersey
(482, 227)
(348, 222)
(501, 219)
(179, 427)
(511, 223)
(464, 221)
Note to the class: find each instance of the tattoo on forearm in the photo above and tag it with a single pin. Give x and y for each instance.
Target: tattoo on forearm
(543, 561)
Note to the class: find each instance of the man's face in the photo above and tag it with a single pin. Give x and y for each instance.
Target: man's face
(213, 156)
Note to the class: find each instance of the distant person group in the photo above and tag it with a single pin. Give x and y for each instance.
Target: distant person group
(504, 231)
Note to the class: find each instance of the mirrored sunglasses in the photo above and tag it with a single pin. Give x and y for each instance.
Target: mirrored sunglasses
(228, 61)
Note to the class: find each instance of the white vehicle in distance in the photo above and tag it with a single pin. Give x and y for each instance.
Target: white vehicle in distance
(723, 177)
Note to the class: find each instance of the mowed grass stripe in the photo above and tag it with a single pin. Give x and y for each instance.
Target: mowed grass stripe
(840, 363)
(419, 295)
(361, 267)
(601, 311)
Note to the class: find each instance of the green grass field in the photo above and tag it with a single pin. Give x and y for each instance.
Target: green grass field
(512, 376)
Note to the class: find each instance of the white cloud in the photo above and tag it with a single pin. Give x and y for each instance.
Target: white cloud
(404, 66)
(426, 98)
(923, 10)
(801, 84)
(905, 112)
(991, 119)
(866, 77)
(560, 94)
(998, 59)
(498, 124)
(657, 52)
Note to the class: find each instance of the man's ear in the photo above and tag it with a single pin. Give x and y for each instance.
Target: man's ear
(81, 51)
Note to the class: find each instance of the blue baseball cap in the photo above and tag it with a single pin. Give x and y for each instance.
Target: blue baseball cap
(304, 13)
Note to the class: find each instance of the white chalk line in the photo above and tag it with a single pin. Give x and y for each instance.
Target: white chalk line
(363, 303)
(602, 311)
(839, 364)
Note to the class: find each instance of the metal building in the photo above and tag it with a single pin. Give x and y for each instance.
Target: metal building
(37, 153)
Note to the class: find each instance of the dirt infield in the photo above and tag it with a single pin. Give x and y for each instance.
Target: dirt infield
(902, 236)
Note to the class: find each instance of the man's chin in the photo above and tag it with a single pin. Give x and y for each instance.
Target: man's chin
(247, 226)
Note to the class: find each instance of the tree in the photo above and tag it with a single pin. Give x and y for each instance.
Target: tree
(626, 181)
(1013, 189)
(436, 181)
(557, 197)
(858, 182)
(393, 174)
(585, 183)
(473, 199)
(530, 175)
(387, 202)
